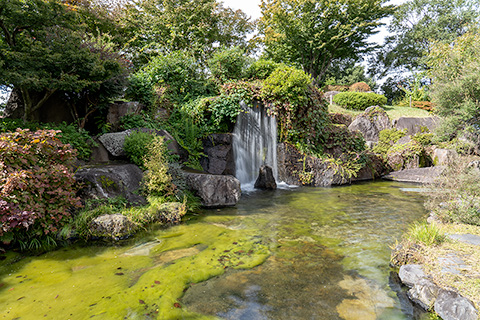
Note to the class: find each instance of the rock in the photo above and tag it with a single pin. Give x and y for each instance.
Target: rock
(214, 190)
(170, 212)
(370, 123)
(111, 181)
(295, 168)
(451, 306)
(373, 169)
(99, 153)
(466, 238)
(419, 175)
(119, 109)
(424, 292)
(474, 165)
(114, 226)
(410, 155)
(410, 274)
(414, 125)
(113, 142)
(14, 108)
(218, 152)
(265, 179)
(444, 157)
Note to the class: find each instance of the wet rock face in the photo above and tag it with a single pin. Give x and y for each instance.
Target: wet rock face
(218, 154)
(111, 181)
(214, 190)
(370, 123)
(297, 169)
(265, 179)
(114, 226)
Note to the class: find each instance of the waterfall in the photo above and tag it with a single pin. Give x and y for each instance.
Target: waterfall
(254, 144)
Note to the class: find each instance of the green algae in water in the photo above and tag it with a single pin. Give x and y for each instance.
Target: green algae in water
(277, 255)
(107, 283)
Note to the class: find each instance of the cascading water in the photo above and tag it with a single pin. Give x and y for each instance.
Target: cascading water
(254, 144)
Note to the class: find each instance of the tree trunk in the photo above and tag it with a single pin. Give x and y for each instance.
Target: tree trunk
(30, 105)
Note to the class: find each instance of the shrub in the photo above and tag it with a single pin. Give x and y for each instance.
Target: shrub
(78, 138)
(360, 87)
(135, 121)
(36, 183)
(424, 105)
(262, 69)
(387, 138)
(228, 64)
(158, 182)
(136, 145)
(359, 100)
(455, 195)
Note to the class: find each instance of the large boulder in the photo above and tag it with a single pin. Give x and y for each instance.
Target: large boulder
(110, 181)
(419, 175)
(370, 123)
(265, 179)
(410, 155)
(214, 190)
(297, 169)
(444, 157)
(218, 152)
(416, 125)
(111, 226)
(114, 142)
(119, 109)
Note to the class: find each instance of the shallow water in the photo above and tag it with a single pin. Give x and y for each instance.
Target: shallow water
(308, 253)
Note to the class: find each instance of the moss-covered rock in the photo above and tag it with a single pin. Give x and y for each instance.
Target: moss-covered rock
(409, 155)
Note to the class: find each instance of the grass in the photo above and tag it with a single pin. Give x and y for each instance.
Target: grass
(394, 112)
(427, 233)
(467, 282)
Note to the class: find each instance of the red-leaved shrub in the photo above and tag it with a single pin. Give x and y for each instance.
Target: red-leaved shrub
(36, 184)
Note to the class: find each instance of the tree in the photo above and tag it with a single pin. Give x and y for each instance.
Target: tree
(45, 48)
(346, 72)
(313, 33)
(417, 25)
(198, 26)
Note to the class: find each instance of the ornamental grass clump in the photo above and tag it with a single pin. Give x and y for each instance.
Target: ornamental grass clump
(37, 187)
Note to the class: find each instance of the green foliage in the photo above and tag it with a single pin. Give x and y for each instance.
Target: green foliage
(456, 82)
(312, 34)
(161, 26)
(387, 138)
(56, 52)
(261, 69)
(359, 100)
(346, 72)
(414, 90)
(79, 139)
(135, 121)
(158, 182)
(36, 184)
(136, 145)
(423, 138)
(391, 89)
(417, 25)
(427, 233)
(300, 110)
(228, 64)
(167, 80)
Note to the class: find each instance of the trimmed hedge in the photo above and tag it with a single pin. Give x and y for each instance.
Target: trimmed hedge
(359, 100)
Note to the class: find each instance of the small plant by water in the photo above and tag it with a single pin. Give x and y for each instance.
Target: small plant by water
(426, 233)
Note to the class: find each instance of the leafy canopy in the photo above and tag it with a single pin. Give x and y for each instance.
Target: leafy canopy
(313, 33)
(417, 25)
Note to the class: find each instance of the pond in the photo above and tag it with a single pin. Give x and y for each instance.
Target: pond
(306, 253)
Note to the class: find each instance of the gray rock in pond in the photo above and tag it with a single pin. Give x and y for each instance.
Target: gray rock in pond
(424, 292)
(466, 238)
(410, 274)
(452, 306)
(113, 142)
(113, 226)
(214, 190)
(110, 181)
(265, 179)
(370, 123)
